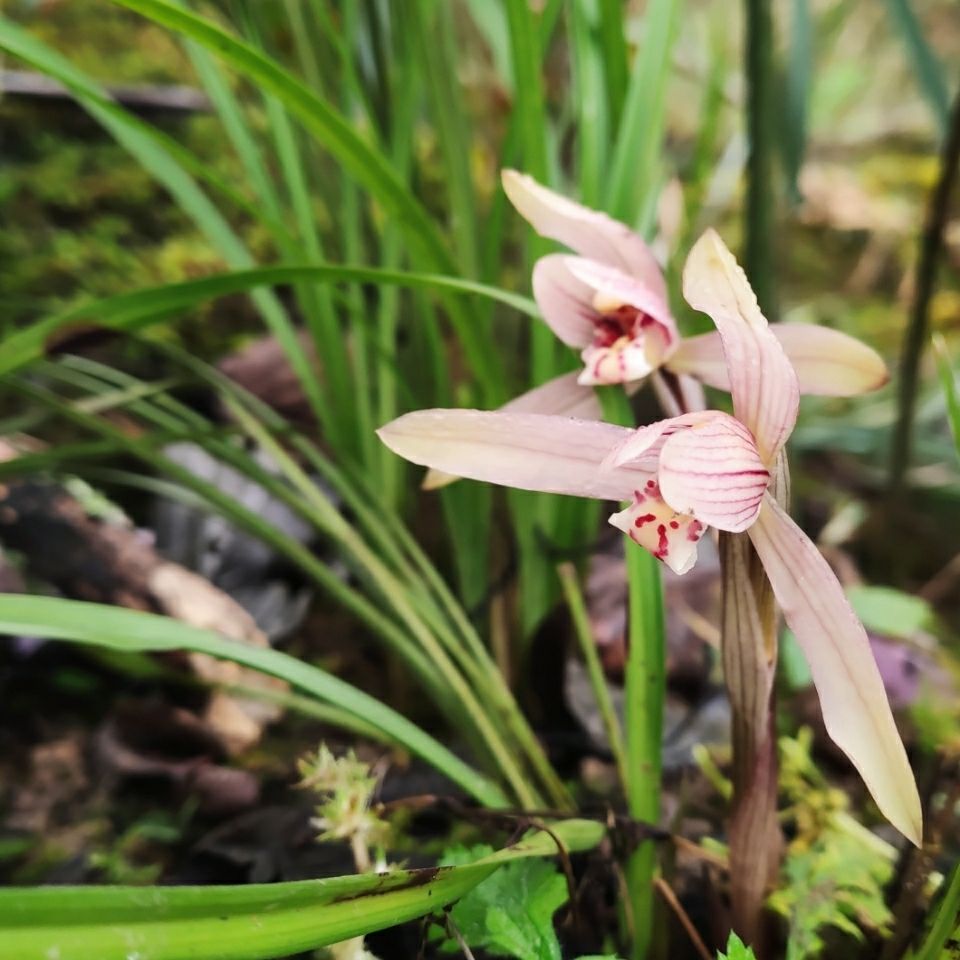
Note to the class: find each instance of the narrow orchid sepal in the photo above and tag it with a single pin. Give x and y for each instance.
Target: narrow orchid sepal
(827, 362)
(856, 711)
(562, 396)
(526, 450)
(762, 382)
(588, 232)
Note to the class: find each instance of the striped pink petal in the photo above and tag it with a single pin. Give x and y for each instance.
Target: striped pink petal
(830, 363)
(855, 707)
(562, 396)
(827, 362)
(712, 471)
(762, 381)
(644, 444)
(588, 232)
(565, 302)
(526, 450)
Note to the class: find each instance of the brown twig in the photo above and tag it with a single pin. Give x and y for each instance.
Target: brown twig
(666, 891)
(917, 332)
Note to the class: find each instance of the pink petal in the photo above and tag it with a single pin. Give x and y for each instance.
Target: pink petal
(588, 232)
(762, 381)
(565, 302)
(855, 708)
(827, 362)
(653, 524)
(645, 443)
(830, 363)
(713, 472)
(562, 396)
(526, 450)
(625, 361)
(615, 287)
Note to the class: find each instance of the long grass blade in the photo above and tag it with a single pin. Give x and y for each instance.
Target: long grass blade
(134, 311)
(930, 74)
(123, 629)
(635, 170)
(252, 921)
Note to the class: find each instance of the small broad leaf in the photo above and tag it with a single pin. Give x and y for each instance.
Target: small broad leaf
(511, 913)
(737, 950)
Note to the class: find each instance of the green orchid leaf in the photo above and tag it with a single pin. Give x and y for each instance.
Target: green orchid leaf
(251, 922)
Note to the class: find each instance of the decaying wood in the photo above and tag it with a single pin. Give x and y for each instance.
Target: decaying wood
(89, 559)
(262, 368)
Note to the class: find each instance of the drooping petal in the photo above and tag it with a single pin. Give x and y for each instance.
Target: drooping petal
(714, 472)
(762, 381)
(653, 524)
(561, 396)
(526, 450)
(855, 707)
(588, 232)
(565, 302)
(827, 362)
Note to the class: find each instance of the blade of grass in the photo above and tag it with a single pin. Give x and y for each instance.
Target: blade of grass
(635, 169)
(948, 380)
(930, 74)
(945, 923)
(589, 61)
(614, 57)
(433, 26)
(917, 333)
(122, 629)
(251, 921)
(799, 69)
(759, 242)
(134, 311)
(645, 681)
(598, 682)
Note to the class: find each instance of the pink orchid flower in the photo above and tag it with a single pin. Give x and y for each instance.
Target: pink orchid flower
(611, 303)
(700, 470)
